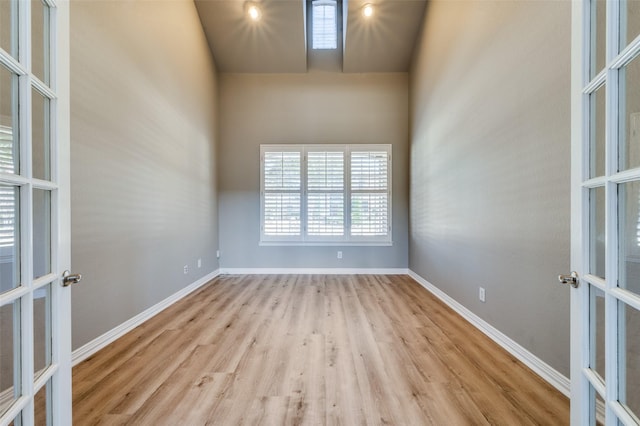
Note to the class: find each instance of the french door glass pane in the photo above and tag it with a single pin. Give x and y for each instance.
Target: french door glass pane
(9, 354)
(17, 421)
(629, 18)
(41, 136)
(41, 232)
(597, 232)
(629, 116)
(9, 26)
(597, 103)
(8, 121)
(597, 330)
(629, 236)
(629, 341)
(598, 39)
(42, 328)
(42, 405)
(9, 238)
(596, 409)
(40, 40)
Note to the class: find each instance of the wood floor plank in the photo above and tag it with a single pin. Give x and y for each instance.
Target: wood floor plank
(114, 356)
(181, 383)
(343, 402)
(121, 383)
(310, 350)
(444, 404)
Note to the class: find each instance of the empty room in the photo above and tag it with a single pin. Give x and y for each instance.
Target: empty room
(319, 212)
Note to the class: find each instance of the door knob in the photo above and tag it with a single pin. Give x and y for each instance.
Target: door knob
(68, 278)
(571, 279)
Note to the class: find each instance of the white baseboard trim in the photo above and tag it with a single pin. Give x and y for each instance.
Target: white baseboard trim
(544, 370)
(100, 342)
(314, 271)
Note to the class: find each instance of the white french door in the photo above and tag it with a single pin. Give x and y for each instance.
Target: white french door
(35, 367)
(605, 200)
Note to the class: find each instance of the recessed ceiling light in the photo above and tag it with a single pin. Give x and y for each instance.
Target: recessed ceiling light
(253, 11)
(367, 11)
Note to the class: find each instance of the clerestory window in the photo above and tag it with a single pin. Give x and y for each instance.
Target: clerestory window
(324, 24)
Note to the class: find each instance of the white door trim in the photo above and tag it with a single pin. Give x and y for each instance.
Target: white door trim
(61, 162)
(579, 296)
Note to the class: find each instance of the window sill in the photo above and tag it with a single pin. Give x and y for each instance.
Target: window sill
(328, 243)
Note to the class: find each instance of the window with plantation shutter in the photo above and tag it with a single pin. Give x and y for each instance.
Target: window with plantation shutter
(281, 194)
(369, 193)
(326, 194)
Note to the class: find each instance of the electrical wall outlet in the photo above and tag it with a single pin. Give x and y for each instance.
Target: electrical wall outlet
(217, 254)
(186, 269)
(339, 255)
(481, 294)
(199, 263)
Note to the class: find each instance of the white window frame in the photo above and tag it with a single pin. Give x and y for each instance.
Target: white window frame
(346, 239)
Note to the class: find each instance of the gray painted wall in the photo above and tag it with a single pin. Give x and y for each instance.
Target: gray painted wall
(490, 155)
(143, 142)
(306, 108)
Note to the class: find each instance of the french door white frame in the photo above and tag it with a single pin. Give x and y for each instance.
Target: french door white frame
(585, 382)
(57, 375)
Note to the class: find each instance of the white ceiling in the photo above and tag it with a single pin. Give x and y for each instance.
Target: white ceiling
(277, 42)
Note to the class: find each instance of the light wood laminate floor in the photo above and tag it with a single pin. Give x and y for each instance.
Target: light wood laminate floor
(310, 349)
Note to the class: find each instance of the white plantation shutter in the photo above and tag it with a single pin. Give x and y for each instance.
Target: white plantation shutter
(324, 25)
(369, 193)
(282, 171)
(6, 150)
(282, 214)
(369, 170)
(281, 189)
(8, 194)
(369, 214)
(325, 193)
(8, 203)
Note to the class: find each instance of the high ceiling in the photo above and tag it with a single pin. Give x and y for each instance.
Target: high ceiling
(277, 43)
